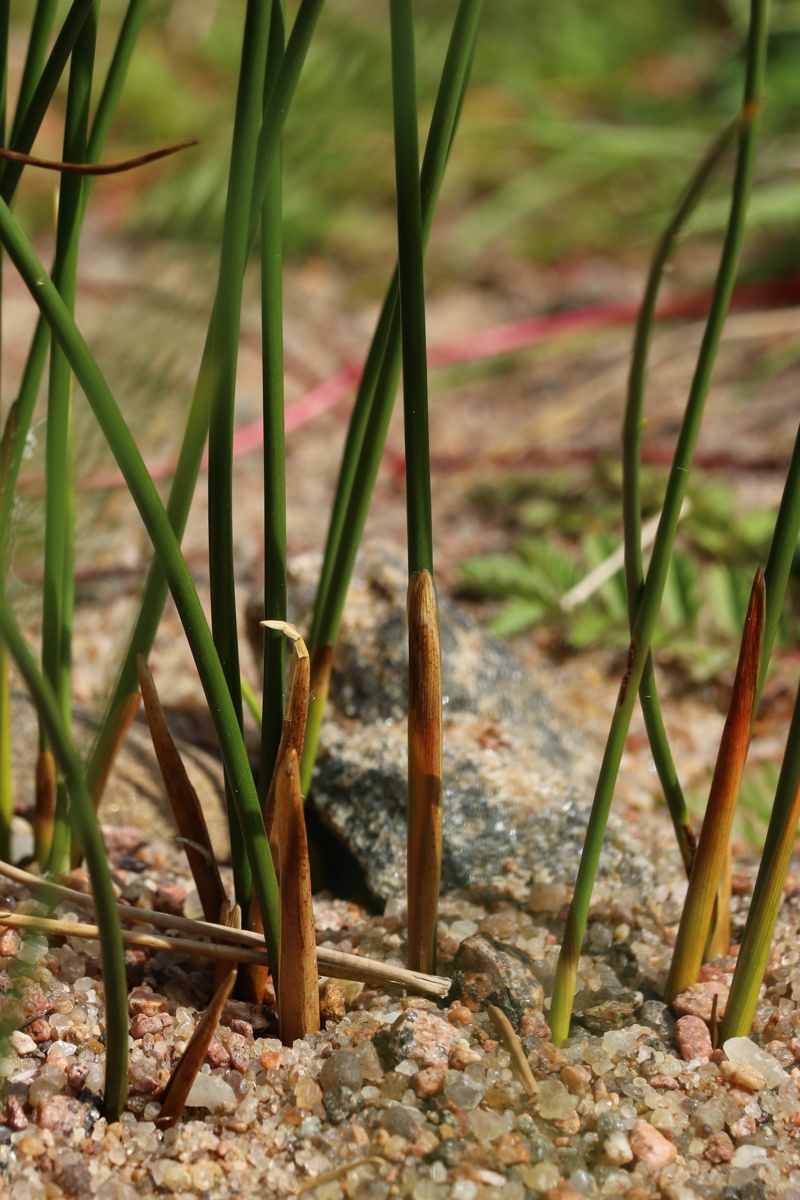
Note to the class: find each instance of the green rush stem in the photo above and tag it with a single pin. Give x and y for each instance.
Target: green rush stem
(372, 412)
(633, 429)
(88, 834)
(196, 432)
(412, 288)
(274, 661)
(41, 28)
(30, 121)
(225, 346)
(18, 425)
(776, 574)
(754, 951)
(780, 557)
(159, 528)
(6, 781)
(58, 593)
(649, 604)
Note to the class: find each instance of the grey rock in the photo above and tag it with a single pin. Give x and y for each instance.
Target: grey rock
(517, 782)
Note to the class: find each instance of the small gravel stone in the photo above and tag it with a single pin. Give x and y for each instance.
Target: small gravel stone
(423, 1037)
(22, 1043)
(145, 1023)
(59, 1112)
(14, 1113)
(743, 1050)
(617, 1149)
(719, 1148)
(651, 1147)
(698, 1000)
(211, 1092)
(9, 942)
(693, 1038)
(486, 971)
(342, 1069)
(399, 1121)
(743, 1075)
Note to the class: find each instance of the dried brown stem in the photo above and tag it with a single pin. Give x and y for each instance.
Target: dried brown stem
(424, 770)
(335, 963)
(715, 834)
(112, 168)
(185, 805)
(173, 1098)
(298, 978)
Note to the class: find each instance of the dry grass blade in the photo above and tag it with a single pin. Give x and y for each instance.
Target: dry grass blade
(424, 770)
(253, 981)
(513, 1045)
(45, 805)
(298, 977)
(183, 799)
(147, 941)
(175, 1094)
(129, 708)
(335, 963)
(715, 835)
(232, 917)
(111, 168)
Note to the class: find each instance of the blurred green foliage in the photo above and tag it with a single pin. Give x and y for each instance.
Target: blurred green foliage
(581, 126)
(563, 520)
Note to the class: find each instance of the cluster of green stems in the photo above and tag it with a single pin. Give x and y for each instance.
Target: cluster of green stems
(69, 790)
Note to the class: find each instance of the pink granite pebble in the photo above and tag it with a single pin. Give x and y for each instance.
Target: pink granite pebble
(693, 1038)
(650, 1146)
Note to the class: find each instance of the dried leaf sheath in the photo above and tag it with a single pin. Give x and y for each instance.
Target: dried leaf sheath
(298, 979)
(294, 725)
(252, 983)
(184, 802)
(715, 835)
(175, 1094)
(424, 770)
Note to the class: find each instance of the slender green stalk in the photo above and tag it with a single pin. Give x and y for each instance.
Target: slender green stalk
(58, 594)
(274, 662)
(159, 528)
(776, 574)
(41, 28)
(374, 401)
(251, 702)
(6, 781)
(233, 260)
(88, 834)
(649, 604)
(194, 438)
(781, 555)
(112, 88)
(633, 428)
(412, 289)
(30, 121)
(760, 928)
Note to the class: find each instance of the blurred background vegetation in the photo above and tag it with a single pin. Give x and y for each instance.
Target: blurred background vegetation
(582, 125)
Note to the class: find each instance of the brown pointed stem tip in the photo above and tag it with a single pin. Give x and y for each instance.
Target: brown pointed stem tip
(519, 1060)
(715, 835)
(175, 1094)
(183, 800)
(127, 711)
(298, 978)
(424, 770)
(294, 725)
